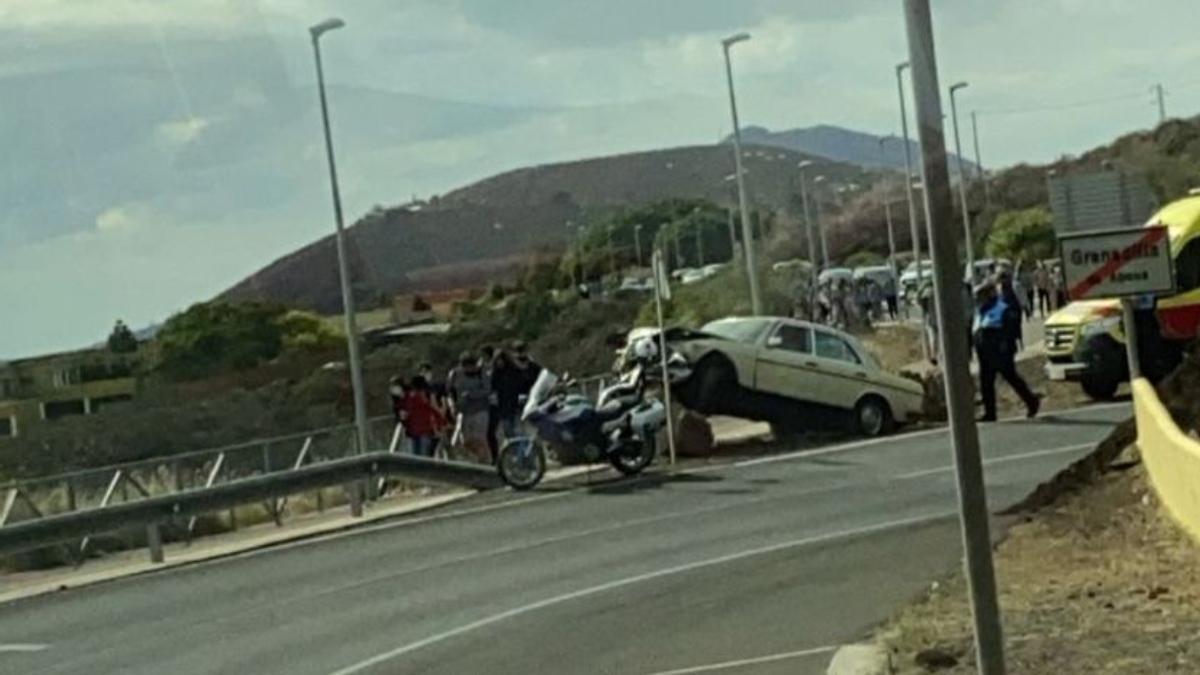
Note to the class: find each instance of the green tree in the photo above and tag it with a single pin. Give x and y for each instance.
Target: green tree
(1026, 235)
(122, 340)
(214, 337)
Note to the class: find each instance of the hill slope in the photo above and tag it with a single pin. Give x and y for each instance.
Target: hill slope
(841, 145)
(478, 232)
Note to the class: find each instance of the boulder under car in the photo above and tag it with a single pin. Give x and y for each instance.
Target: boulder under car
(797, 375)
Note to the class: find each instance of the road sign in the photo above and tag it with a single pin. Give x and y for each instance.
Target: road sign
(1117, 263)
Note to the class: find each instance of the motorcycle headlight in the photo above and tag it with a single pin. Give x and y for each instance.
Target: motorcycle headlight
(1100, 326)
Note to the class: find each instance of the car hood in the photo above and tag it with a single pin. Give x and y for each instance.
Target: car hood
(1082, 311)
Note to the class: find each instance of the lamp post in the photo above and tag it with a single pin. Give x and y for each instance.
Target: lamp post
(987, 190)
(821, 225)
(747, 233)
(962, 185)
(908, 176)
(637, 242)
(356, 379)
(887, 214)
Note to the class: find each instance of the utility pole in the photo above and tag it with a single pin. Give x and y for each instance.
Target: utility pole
(987, 189)
(747, 233)
(972, 498)
(1162, 103)
(908, 191)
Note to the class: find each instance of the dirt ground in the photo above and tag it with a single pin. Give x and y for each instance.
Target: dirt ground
(1101, 584)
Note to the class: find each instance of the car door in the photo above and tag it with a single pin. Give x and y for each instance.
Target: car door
(785, 362)
(843, 374)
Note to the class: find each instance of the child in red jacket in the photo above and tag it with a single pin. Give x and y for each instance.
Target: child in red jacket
(423, 420)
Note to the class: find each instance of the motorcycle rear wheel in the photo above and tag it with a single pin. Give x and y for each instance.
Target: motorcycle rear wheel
(521, 463)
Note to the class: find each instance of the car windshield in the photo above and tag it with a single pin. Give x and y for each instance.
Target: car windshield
(740, 330)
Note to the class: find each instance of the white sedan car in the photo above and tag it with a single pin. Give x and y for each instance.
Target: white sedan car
(795, 374)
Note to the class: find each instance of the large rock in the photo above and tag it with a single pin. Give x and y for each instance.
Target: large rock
(693, 434)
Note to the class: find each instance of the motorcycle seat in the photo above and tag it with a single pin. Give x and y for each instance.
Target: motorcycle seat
(610, 411)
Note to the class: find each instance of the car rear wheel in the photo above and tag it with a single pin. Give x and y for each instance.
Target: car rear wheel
(873, 417)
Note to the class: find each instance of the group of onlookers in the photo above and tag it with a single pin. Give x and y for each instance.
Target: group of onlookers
(480, 400)
(845, 303)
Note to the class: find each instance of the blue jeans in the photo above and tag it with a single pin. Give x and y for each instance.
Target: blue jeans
(423, 446)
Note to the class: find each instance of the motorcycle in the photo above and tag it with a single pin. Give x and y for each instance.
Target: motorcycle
(621, 426)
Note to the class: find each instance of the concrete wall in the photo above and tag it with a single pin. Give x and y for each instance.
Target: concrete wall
(1172, 458)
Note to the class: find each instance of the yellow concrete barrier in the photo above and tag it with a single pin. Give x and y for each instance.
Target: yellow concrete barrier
(1172, 458)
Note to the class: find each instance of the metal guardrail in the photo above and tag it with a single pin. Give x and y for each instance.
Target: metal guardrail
(76, 506)
(154, 511)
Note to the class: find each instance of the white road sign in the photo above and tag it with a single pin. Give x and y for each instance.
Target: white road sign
(1117, 263)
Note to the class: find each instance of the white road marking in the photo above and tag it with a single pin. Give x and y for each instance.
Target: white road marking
(854, 445)
(1001, 460)
(21, 648)
(628, 581)
(771, 658)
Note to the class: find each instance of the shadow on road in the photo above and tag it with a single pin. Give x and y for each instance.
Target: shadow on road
(652, 481)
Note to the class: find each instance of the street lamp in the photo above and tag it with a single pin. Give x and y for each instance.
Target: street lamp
(987, 191)
(887, 212)
(356, 379)
(908, 176)
(637, 242)
(808, 225)
(821, 225)
(962, 184)
(747, 233)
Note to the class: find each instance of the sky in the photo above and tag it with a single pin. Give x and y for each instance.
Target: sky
(157, 152)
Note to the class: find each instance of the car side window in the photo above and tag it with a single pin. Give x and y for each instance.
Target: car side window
(830, 346)
(793, 339)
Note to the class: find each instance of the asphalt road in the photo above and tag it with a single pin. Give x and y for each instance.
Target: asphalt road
(763, 566)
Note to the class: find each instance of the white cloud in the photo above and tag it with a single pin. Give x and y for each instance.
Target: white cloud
(181, 132)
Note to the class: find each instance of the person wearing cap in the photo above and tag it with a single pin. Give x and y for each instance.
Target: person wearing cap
(470, 391)
(996, 350)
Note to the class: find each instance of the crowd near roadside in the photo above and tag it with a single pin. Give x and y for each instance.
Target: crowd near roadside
(468, 413)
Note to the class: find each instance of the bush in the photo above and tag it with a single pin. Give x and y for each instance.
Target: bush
(1026, 235)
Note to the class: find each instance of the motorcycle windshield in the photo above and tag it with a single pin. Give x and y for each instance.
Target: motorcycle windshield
(542, 387)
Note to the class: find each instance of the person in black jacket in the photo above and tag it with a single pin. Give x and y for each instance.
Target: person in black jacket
(512, 378)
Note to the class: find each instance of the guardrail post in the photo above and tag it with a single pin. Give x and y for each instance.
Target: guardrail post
(154, 543)
(354, 492)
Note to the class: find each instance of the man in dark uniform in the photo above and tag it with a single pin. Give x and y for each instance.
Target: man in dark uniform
(996, 347)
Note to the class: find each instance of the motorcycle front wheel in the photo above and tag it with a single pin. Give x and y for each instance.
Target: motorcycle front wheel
(521, 463)
(633, 457)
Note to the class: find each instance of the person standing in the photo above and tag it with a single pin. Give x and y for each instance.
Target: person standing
(470, 393)
(512, 382)
(1011, 294)
(996, 350)
(423, 420)
(890, 296)
(488, 357)
(1024, 282)
(1041, 284)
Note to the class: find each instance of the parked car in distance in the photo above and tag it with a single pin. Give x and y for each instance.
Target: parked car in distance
(714, 269)
(636, 285)
(692, 276)
(835, 274)
(880, 274)
(794, 374)
(910, 281)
